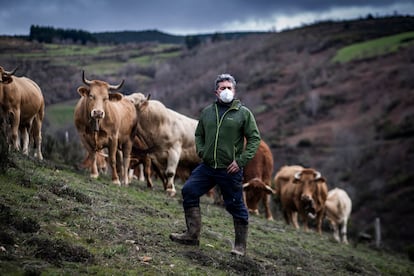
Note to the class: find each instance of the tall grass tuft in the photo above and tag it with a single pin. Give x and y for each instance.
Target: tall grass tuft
(4, 153)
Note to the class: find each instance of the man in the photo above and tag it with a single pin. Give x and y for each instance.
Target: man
(221, 132)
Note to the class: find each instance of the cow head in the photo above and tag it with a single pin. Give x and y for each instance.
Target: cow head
(97, 96)
(139, 100)
(308, 181)
(254, 191)
(5, 76)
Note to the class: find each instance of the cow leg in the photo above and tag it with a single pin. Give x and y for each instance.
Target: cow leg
(294, 219)
(287, 218)
(173, 159)
(112, 152)
(343, 231)
(305, 217)
(94, 168)
(126, 151)
(36, 132)
(147, 171)
(319, 219)
(334, 226)
(25, 140)
(141, 177)
(91, 157)
(269, 215)
(14, 119)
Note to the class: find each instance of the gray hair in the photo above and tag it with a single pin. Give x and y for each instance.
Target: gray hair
(225, 77)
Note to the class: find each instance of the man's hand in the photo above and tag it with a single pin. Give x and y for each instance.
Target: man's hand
(233, 167)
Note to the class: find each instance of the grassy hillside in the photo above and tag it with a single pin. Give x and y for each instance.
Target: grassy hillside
(374, 47)
(55, 220)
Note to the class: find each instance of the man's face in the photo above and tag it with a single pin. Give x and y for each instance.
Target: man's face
(224, 85)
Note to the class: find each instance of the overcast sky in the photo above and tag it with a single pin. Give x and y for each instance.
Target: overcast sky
(183, 17)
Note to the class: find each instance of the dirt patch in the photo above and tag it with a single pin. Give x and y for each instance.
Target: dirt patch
(21, 224)
(69, 193)
(236, 263)
(58, 251)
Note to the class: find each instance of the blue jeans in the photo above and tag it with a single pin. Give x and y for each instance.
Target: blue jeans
(203, 178)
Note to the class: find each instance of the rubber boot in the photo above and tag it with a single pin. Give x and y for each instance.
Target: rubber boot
(193, 221)
(240, 230)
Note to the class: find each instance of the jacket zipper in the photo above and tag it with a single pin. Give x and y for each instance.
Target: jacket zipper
(219, 122)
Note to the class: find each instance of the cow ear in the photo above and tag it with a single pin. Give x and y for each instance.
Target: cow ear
(142, 104)
(83, 91)
(321, 179)
(7, 78)
(115, 97)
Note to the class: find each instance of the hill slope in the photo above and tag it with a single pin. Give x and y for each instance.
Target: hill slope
(55, 220)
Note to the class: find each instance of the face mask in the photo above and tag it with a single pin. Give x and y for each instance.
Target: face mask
(226, 96)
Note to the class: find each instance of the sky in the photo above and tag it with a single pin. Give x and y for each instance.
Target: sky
(186, 17)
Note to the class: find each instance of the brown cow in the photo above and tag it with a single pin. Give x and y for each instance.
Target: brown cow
(168, 137)
(106, 120)
(140, 156)
(257, 175)
(101, 163)
(22, 111)
(304, 193)
(338, 210)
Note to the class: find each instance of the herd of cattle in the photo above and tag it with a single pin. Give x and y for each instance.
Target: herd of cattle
(134, 130)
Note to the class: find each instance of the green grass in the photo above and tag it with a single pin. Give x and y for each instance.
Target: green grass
(60, 114)
(82, 226)
(373, 48)
(102, 59)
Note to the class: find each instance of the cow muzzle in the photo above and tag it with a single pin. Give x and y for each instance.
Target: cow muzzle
(97, 114)
(308, 204)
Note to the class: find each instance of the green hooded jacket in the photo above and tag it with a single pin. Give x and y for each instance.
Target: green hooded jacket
(219, 141)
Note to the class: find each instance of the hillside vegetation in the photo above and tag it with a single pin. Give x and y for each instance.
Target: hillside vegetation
(352, 120)
(56, 221)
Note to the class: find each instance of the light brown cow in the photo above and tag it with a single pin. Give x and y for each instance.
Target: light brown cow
(22, 111)
(106, 120)
(304, 194)
(257, 178)
(168, 136)
(338, 210)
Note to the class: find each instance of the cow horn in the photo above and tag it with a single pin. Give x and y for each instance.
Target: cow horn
(297, 175)
(11, 72)
(245, 185)
(317, 175)
(116, 87)
(270, 189)
(85, 81)
(149, 96)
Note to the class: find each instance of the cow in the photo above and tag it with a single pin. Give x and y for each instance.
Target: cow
(22, 109)
(338, 210)
(257, 178)
(106, 120)
(168, 137)
(101, 162)
(304, 192)
(140, 156)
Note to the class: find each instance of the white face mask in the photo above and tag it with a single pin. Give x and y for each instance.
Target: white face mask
(226, 95)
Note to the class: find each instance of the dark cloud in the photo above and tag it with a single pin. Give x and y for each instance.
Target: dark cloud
(184, 16)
